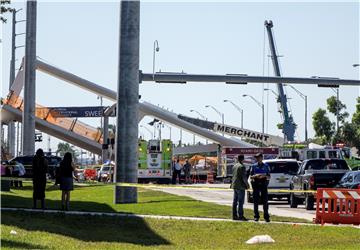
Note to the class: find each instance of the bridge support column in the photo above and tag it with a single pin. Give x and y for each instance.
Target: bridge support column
(126, 142)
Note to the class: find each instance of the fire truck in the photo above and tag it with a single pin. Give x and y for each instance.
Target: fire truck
(155, 160)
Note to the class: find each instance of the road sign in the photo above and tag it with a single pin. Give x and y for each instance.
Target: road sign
(97, 111)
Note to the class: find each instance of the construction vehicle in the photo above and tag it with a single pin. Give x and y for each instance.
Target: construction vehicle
(288, 126)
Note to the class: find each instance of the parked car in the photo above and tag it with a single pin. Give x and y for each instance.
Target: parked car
(281, 172)
(314, 174)
(53, 163)
(350, 180)
(106, 173)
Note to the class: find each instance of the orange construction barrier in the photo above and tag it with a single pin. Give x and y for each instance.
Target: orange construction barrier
(210, 177)
(337, 206)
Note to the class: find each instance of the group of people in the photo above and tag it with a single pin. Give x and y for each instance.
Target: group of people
(259, 178)
(13, 169)
(64, 177)
(177, 168)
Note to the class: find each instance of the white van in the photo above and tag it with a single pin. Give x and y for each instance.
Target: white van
(312, 153)
(281, 173)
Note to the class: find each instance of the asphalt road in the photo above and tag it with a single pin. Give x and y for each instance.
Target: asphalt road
(225, 197)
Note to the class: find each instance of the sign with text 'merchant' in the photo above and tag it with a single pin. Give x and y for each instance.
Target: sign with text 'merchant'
(249, 134)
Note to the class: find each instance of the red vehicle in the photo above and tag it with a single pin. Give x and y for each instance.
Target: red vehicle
(90, 174)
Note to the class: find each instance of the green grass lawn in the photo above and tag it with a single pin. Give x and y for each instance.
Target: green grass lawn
(99, 198)
(61, 231)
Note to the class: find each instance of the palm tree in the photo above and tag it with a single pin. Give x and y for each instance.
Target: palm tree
(64, 147)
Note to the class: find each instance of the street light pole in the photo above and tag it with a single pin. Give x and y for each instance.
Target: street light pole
(169, 130)
(156, 49)
(240, 110)
(262, 109)
(202, 116)
(101, 118)
(180, 137)
(337, 110)
(305, 98)
(219, 113)
(336, 91)
(148, 130)
(306, 110)
(272, 91)
(197, 112)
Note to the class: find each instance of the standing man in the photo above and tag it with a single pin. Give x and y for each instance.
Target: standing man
(260, 176)
(187, 169)
(176, 171)
(239, 184)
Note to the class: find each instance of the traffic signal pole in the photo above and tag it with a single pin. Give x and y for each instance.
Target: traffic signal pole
(126, 142)
(28, 128)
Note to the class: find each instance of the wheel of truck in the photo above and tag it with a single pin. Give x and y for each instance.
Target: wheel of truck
(293, 201)
(309, 202)
(250, 199)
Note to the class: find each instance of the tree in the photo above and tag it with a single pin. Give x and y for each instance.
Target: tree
(64, 147)
(356, 116)
(351, 134)
(335, 107)
(323, 127)
(3, 9)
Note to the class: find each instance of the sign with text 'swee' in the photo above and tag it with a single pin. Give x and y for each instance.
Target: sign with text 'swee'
(97, 111)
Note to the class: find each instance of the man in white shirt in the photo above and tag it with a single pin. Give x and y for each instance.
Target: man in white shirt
(176, 171)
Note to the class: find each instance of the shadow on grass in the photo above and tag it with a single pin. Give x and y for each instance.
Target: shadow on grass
(50, 187)
(20, 245)
(82, 227)
(14, 201)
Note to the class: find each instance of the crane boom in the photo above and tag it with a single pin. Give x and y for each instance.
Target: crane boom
(288, 125)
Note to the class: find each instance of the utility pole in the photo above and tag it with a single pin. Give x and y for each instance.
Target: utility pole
(28, 128)
(127, 102)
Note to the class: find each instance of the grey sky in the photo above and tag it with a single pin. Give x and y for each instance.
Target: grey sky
(316, 39)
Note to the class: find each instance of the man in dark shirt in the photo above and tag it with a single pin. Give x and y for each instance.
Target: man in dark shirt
(187, 169)
(260, 176)
(239, 184)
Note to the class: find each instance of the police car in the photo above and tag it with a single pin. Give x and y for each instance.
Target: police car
(281, 172)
